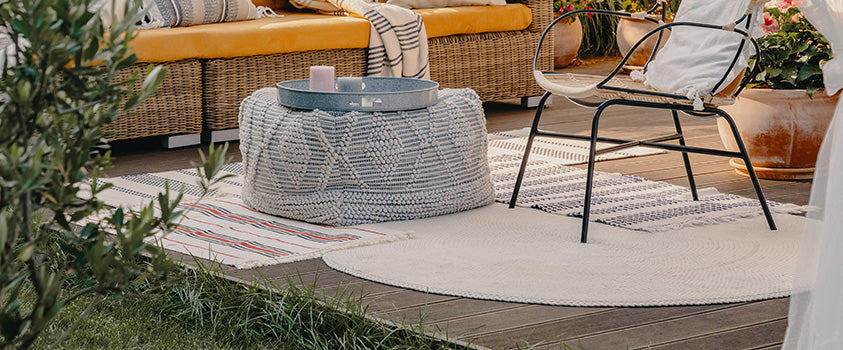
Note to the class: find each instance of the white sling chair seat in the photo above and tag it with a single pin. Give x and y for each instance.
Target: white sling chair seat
(585, 85)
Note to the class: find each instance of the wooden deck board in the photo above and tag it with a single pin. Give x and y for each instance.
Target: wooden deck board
(755, 325)
(447, 310)
(572, 329)
(777, 346)
(770, 334)
(485, 328)
(403, 299)
(699, 325)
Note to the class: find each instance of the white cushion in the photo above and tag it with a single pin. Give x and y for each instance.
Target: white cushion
(695, 59)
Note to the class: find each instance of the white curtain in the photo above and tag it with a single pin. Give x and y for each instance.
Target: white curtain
(816, 306)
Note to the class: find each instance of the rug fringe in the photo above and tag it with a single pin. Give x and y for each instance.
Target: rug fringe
(250, 264)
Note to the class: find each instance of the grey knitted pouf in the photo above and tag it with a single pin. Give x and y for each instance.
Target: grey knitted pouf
(345, 168)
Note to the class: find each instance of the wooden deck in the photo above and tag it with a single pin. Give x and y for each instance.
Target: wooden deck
(493, 324)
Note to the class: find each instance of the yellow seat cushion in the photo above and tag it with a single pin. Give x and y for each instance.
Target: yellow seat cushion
(447, 21)
(304, 31)
(291, 33)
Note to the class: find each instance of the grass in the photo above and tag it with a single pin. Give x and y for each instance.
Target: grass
(198, 309)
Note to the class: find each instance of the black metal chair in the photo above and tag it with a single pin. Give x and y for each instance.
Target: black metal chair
(621, 90)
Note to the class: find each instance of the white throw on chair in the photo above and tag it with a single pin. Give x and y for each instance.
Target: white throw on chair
(698, 69)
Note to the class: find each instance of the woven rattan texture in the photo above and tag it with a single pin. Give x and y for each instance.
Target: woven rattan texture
(496, 65)
(542, 15)
(175, 108)
(228, 81)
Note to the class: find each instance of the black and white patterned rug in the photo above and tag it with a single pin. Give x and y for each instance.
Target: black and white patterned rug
(626, 201)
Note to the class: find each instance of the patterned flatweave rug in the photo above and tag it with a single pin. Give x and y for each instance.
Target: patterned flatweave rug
(221, 228)
(226, 231)
(626, 201)
(557, 151)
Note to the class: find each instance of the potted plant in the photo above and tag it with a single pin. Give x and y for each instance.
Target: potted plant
(567, 34)
(784, 114)
(630, 30)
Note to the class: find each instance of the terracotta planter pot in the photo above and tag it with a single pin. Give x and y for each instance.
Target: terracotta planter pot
(628, 33)
(567, 38)
(782, 131)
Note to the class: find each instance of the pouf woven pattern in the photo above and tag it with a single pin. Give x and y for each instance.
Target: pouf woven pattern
(346, 168)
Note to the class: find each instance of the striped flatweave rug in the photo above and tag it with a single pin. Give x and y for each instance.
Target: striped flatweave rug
(221, 228)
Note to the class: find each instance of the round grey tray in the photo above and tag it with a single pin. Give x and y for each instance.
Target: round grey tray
(379, 94)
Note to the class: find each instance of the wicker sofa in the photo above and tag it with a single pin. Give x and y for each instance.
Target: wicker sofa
(204, 94)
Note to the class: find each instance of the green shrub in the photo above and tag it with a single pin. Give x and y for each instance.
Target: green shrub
(57, 91)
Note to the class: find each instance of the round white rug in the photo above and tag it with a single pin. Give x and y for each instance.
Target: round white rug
(526, 255)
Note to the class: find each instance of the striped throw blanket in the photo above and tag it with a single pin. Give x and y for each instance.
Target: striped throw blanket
(397, 39)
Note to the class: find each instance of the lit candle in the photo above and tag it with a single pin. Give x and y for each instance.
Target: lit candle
(350, 84)
(322, 78)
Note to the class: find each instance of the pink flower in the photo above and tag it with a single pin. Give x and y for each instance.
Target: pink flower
(770, 25)
(785, 5)
(569, 8)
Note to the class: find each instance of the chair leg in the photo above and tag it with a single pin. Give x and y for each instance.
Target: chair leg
(749, 169)
(589, 180)
(533, 130)
(532, 101)
(685, 158)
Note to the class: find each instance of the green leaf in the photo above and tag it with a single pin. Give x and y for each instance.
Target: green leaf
(808, 71)
(789, 73)
(118, 217)
(79, 215)
(54, 310)
(802, 46)
(154, 77)
(88, 230)
(811, 90)
(131, 102)
(4, 230)
(26, 252)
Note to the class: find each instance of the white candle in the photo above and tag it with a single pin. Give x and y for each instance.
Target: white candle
(350, 84)
(322, 78)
